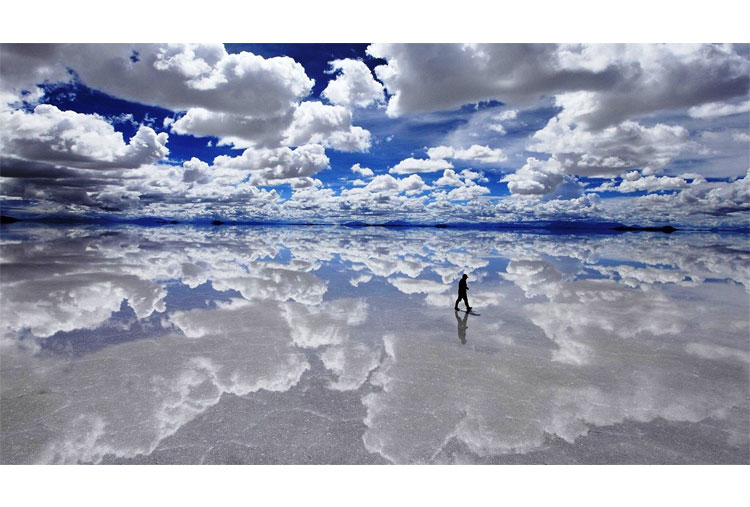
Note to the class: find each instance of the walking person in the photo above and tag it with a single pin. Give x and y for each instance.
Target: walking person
(462, 288)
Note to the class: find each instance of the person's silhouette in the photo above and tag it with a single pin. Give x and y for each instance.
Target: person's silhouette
(462, 288)
(462, 326)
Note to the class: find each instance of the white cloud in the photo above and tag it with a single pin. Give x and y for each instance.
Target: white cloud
(244, 99)
(353, 86)
(76, 140)
(467, 192)
(470, 175)
(383, 197)
(183, 76)
(477, 153)
(509, 114)
(634, 182)
(609, 151)
(382, 182)
(416, 165)
(385, 182)
(360, 279)
(310, 122)
(279, 164)
(330, 126)
(74, 159)
(718, 109)
(497, 127)
(536, 177)
(718, 199)
(195, 170)
(412, 184)
(610, 97)
(496, 121)
(240, 131)
(362, 171)
(531, 207)
(625, 79)
(449, 179)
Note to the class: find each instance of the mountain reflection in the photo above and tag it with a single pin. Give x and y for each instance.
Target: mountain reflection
(257, 344)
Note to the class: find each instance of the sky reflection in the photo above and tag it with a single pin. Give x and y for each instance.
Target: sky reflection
(339, 345)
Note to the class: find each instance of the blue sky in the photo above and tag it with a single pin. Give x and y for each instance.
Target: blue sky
(336, 132)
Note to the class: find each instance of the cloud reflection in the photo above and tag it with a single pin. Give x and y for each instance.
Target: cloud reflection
(575, 333)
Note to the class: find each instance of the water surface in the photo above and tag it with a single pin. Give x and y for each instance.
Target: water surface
(319, 345)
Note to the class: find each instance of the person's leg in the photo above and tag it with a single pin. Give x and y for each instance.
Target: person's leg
(466, 302)
(455, 307)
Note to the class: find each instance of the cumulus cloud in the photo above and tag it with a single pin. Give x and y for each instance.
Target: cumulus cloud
(386, 182)
(74, 159)
(717, 199)
(532, 207)
(330, 126)
(429, 77)
(476, 153)
(179, 76)
(449, 179)
(418, 165)
(635, 182)
(467, 192)
(234, 129)
(310, 122)
(626, 79)
(603, 92)
(353, 85)
(412, 184)
(466, 180)
(609, 151)
(24, 66)
(244, 99)
(536, 177)
(277, 165)
(362, 171)
(76, 140)
(476, 176)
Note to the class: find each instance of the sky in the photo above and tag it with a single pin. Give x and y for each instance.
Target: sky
(429, 133)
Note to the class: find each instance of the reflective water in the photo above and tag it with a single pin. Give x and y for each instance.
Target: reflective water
(337, 345)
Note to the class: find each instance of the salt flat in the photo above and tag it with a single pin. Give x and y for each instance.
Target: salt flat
(186, 344)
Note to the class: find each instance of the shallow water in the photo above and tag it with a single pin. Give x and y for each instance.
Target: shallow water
(340, 345)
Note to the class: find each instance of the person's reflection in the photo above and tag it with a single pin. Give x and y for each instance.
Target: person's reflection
(462, 326)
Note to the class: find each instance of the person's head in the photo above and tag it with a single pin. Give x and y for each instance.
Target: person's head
(465, 276)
